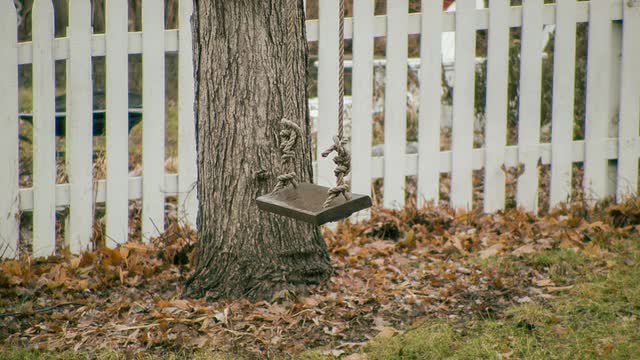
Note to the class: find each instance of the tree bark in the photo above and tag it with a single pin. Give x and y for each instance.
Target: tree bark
(250, 66)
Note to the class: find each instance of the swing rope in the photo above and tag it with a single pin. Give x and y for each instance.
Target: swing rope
(343, 157)
(288, 139)
(291, 131)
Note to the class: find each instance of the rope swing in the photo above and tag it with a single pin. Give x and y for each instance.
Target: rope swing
(343, 157)
(310, 202)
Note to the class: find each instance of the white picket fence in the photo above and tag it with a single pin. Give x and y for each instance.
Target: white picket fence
(613, 92)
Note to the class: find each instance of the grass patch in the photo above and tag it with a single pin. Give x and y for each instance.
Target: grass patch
(563, 265)
(598, 318)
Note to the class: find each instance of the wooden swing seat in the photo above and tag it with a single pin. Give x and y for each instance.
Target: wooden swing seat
(305, 203)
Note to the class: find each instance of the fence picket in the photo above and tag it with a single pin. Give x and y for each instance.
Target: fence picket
(327, 87)
(187, 167)
(117, 201)
(563, 98)
(9, 141)
(362, 96)
(80, 126)
(430, 102)
(153, 126)
(496, 125)
(395, 103)
(44, 141)
(615, 60)
(463, 98)
(597, 112)
(529, 110)
(629, 146)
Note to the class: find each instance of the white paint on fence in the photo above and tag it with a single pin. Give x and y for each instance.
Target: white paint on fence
(395, 103)
(187, 166)
(497, 96)
(9, 147)
(481, 19)
(463, 109)
(362, 96)
(79, 126)
(529, 107)
(327, 88)
(117, 74)
(153, 124)
(615, 59)
(377, 171)
(563, 102)
(597, 113)
(629, 105)
(44, 145)
(430, 103)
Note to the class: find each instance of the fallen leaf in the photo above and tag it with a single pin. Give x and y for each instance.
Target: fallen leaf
(559, 288)
(524, 249)
(387, 332)
(491, 250)
(559, 329)
(355, 357)
(543, 282)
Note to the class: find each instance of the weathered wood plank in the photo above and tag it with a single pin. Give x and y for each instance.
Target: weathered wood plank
(306, 203)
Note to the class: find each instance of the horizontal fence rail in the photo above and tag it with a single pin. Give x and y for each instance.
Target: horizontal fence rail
(610, 158)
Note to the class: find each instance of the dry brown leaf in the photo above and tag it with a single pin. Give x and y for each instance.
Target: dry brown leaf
(491, 250)
(524, 249)
(559, 288)
(386, 332)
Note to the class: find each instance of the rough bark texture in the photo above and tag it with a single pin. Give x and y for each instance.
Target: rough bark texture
(250, 58)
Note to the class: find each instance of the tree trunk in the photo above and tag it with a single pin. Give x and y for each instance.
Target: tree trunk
(250, 65)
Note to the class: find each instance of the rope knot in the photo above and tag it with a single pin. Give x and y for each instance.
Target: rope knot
(288, 139)
(343, 167)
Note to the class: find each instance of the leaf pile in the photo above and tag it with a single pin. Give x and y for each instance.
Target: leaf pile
(392, 271)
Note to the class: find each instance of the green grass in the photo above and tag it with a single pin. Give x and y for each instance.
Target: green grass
(598, 318)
